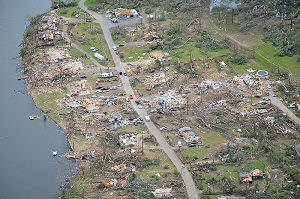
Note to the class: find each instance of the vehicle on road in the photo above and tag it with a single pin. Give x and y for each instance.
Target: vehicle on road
(127, 99)
(137, 102)
(147, 118)
(115, 48)
(125, 74)
(130, 96)
(67, 22)
(120, 73)
(117, 52)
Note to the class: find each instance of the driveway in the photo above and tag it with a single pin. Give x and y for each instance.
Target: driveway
(276, 102)
(186, 176)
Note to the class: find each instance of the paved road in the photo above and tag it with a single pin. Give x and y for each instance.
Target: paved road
(276, 102)
(186, 176)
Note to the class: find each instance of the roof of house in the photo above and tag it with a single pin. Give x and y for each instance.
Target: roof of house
(164, 191)
(125, 12)
(257, 172)
(245, 173)
(157, 54)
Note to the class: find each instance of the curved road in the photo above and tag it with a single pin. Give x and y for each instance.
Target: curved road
(186, 176)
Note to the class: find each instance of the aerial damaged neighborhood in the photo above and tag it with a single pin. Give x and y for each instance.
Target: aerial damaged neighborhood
(170, 99)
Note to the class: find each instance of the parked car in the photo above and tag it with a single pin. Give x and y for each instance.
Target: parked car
(191, 144)
(137, 102)
(292, 106)
(99, 87)
(274, 95)
(77, 15)
(205, 158)
(257, 96)
(129, 64)
(83, 76)
(254, 104)
(125, 74)
(152, 71)
(262, 102)
(114, 20)
(141, 119)
(120, 73)
(115, 48)
(74, 94)
(271, 109)
(148, 89)
(113, 88)
(130, 96)
(117, 52)
(120, 45)
(127, 99)
(179, 143)
(163, 128)
(67, 22)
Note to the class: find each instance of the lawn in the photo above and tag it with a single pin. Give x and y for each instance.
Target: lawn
(212, 139)
(85, 36)
(267, 56)
(90, 3)
(165, 165)
(76, 53)
(133, 53)
(70, 12)
(189, 50)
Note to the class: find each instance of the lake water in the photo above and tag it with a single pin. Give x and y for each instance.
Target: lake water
(27, 168)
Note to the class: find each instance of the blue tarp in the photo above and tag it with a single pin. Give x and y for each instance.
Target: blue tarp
(191, 133)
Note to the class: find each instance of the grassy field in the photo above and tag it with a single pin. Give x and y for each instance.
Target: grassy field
(85, 37)
(70, 12)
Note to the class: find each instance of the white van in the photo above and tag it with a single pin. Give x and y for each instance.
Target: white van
(147, 118)
(179, 143)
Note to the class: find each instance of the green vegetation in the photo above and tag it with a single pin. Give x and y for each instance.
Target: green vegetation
(88, 35)
(76, 53)
(70, 12)
(212, 139)
(133, 53)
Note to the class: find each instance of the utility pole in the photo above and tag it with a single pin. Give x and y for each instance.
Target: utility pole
(142, 140)
(187, 105)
